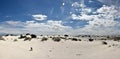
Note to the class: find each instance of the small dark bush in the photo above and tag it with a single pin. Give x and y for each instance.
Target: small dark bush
(50, 36)
(82, 36)
(33, 36)
(21, 36)
(104, 43)
(70, 38)
(15, 40)
(44, 39)
(108, 37)
(28, 34)
(66, 35)
(2, 38)
(79, 40)
(7, 35)
(41, 35)
(27, 38)
(74, 39)
(56, 39)
(59, 35)
(116, 38)
(91, 39)
(103, 39)
(62, 37)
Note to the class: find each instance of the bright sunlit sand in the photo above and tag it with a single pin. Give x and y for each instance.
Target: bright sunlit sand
(39, 48)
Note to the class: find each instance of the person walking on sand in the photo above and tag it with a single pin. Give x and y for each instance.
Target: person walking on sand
(31, 49)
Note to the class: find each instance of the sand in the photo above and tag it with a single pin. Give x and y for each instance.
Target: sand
(58, 50)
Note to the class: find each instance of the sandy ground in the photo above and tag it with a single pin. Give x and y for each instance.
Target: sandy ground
(58, 50)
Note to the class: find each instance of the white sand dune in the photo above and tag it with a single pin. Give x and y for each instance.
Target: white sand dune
(58, 50)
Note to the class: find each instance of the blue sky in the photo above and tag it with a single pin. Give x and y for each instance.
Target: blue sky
(59, 16)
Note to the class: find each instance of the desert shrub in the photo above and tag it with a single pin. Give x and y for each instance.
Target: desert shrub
(27, 38)
(104, 43)
(70, 38)
(41, 35)
(108, 37)
(82, 36)
(56, 39)
(2, 38)
(7, 35)
(33, 36)
(62, 37)
(74, 39)
(103, 39)
(44, 39)
(66, 35)
(116, 38)
(27, 33)
(59, 35)
(15, 40)
(79, 40)
(21, 36)
(50, 36)
(91, 39)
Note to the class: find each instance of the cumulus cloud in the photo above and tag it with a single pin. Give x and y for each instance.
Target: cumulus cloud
(39, 17)
(14, 23)
(82, 17)
(110, 2)
(102, 21)
(77, 4)
(48, 27)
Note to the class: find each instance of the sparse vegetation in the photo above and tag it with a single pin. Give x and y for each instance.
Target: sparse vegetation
(104, 43)
(91, 40)
(108, 37)
(41, 35)
(15, 40)
(27, 38)
(2, 38)
(50, 36)
(56, 39)
(116, 38)
(28, 34)
(74, 39)
(62, 37)
(44, 39)
(103, 39)
(79, 40)
(66, 35)
(21, 36)
(7, 35)
(33, 36)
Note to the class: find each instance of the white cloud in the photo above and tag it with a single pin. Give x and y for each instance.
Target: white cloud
(82, 17)
(48, 27)
(13, 22)
(111, 2)
(39, 17)
(75, 4)
(63, 4)
(102, 22)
